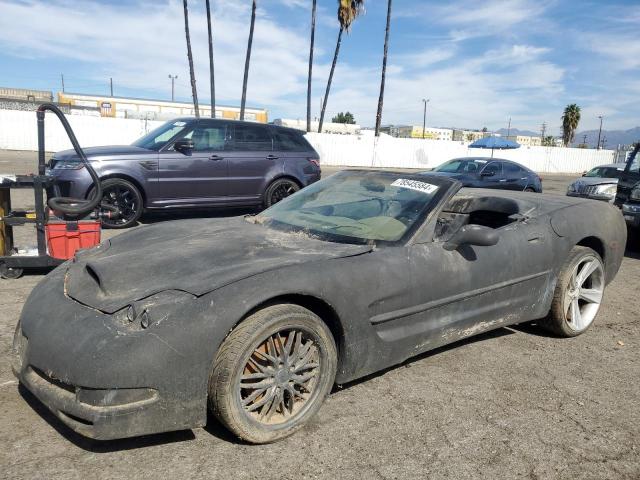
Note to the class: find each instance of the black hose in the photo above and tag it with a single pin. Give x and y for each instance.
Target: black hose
(73, 206)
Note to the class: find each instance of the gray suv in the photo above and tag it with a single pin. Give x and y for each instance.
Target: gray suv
(191, 163)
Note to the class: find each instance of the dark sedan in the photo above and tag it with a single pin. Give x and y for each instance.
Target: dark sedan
(193, 163)
(490, 173)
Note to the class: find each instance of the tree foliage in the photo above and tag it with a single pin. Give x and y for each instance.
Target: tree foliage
(346, 117)
(570, 120)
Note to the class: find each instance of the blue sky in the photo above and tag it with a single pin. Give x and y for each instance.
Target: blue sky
(479, 63)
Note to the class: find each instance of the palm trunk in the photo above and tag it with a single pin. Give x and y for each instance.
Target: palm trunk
(192, 74)
(384, 71)
(247, 60)
(313, 32)
(333, 67)
(211, 71)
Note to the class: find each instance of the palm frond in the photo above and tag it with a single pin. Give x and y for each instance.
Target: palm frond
(348, 11)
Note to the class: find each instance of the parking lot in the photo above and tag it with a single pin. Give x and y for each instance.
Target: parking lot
(511, 403)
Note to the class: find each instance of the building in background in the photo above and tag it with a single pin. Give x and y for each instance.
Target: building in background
(412, 131)
(122, 107)
(525, 140)
(27, 95)
(327, 127)
(468, 136)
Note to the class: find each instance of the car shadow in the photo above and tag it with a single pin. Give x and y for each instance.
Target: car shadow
(101, 446)
(499, 332)
(183, 214)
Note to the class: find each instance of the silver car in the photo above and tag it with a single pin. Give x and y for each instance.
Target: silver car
(599, 183)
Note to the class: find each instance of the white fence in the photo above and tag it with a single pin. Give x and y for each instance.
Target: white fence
(385, 151)
(18, 132)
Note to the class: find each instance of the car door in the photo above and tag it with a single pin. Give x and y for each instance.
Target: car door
(198, 176)
(491, 175)
(515, 177)
(459, 293)
(251, 162)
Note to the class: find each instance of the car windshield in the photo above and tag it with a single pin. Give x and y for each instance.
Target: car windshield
(158, 138)
(462, 165)
(358, 207)
(603, 172)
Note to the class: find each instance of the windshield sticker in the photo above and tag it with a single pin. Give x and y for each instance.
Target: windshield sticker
(415, 185)
(179, 124)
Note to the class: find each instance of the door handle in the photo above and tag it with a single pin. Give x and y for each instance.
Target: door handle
(215, 158)
(503, 180)
(272, 157)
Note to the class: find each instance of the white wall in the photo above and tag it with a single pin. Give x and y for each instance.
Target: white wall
(18, 131)
(386, 151)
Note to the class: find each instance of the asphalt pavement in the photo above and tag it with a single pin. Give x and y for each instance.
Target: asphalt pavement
(512, 403)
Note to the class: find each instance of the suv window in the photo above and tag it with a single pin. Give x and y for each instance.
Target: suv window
(288, 141)
(252, 137)
(208, 137)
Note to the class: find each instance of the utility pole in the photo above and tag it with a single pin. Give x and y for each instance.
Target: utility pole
(173, 79)
(111, 85)
(599, 132)
(543, 130)
(62, 78)
(509, 128)
(424, 116)
(584, 140)
(604, 141)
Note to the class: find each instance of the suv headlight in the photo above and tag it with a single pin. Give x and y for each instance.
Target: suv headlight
(635, 193)
(68, 165)
(607, 190)
(571, 188)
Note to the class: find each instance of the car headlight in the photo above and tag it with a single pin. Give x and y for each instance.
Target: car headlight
(571, 188)
(151, 311)
(68, 165)
(607, 190)
(635, 193)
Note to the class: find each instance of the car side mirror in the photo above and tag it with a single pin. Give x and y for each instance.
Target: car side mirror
(184, 145)
(478, 235)
(490, 173)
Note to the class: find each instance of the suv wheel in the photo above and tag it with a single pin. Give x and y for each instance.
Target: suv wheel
(279, 189)
(123, 196)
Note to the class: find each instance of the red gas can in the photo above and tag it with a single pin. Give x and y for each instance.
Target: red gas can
(65, 238)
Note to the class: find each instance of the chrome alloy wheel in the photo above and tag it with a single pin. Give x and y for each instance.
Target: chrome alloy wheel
(584, 293)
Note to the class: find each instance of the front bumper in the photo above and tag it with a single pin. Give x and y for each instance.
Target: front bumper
(631, 214)
(100, 383)
(603, 198)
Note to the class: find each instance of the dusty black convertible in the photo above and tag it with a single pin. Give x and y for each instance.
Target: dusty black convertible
(256, 318)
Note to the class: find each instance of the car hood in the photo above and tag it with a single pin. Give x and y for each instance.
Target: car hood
(196, 256)
(98, 152)
(595, 181)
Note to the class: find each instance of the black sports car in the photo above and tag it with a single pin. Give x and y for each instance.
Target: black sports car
(256, 318)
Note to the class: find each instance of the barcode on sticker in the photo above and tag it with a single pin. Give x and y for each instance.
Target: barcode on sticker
(423, 187)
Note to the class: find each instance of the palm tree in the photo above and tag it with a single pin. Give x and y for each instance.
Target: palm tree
(313, 33)
(384, 70)
(247, 60)
(194, 92)
(570, 120)
(348, 10)
(211, 73)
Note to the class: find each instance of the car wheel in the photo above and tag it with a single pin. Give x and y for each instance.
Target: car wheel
(10, 273)
(272, 373)
(578, 293)
(530, 189)
(278, 190)
(126, 198)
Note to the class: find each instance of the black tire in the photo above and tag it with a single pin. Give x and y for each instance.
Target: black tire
(530, 189)
(10, 273)
(278, 190)
(244, 352)
(559, 320)
(125, 196)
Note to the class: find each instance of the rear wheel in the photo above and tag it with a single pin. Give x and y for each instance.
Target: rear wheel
(10, 273)
(578, 294)
(124, 197)
(529, 189)
(272, 373)
(278, 190)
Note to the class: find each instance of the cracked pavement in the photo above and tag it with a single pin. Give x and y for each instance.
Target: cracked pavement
(511, 403)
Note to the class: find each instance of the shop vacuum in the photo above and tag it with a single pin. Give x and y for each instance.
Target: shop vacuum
(63, 225)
